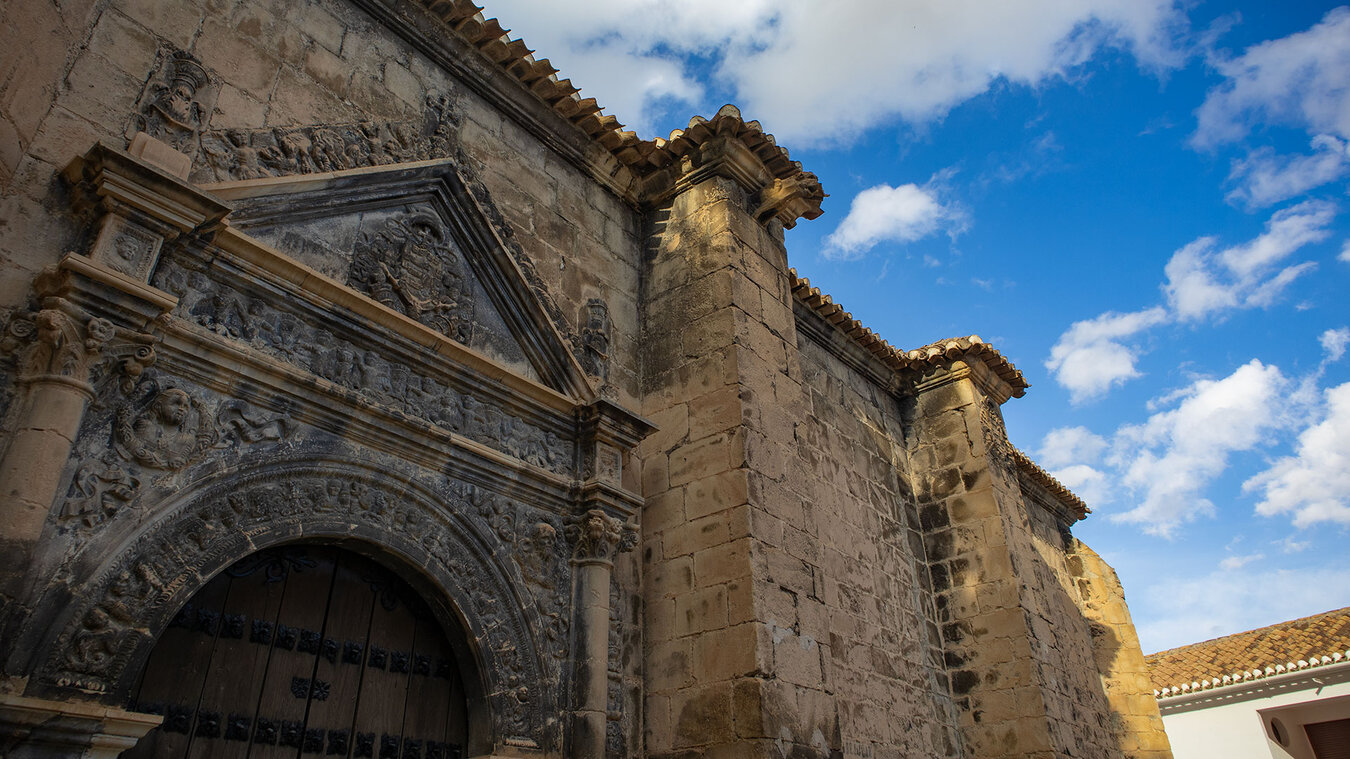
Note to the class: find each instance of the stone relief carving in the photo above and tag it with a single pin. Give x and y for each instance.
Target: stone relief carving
(168, 432)
(411, 266)
(597, 536)
(253, 153)
(595, 340)
(321, 351)
(156, 574)
(171, 112)
(162, 430)
(52, 343)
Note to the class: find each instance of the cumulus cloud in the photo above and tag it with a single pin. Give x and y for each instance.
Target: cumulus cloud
(805, 69)
(1302, 80)
(1203, 281)
(1178, 612)
(1334, 342)
(1092, 356)
(1314, 484)
(1265, 178)
(1168, 460)
(1237, 562)
(1064, 446)
(896, 214)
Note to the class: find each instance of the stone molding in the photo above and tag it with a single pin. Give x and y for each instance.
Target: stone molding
(70, 728)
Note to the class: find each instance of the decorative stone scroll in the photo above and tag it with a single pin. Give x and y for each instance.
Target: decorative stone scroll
(337, 359)
(52, 344)
(111, 627)
(411, 266)
(252, 153)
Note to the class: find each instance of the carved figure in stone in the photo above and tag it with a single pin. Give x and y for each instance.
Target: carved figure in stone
(537, 552)
(173, 114)
(168, 433)
(600, 537)
(595, 339)
(244, 425)
(245, 154)
(98, 492)
(411, 266)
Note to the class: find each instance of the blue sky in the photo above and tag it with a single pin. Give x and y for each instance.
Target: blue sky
(1142, 203)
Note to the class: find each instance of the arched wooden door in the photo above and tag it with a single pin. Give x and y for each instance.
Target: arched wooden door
(304, 651)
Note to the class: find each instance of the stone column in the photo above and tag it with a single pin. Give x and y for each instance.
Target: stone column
(56, 347)
(599, 537)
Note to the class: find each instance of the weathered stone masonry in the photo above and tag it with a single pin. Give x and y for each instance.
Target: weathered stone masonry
(368, 274)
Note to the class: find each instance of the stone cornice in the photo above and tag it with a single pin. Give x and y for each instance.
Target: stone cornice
(912, 363)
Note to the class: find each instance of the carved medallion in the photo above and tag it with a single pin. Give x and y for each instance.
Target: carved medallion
(411, 266)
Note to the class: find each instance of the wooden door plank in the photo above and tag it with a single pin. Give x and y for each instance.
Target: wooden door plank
(175, 674)
(426, 714)
(278, 725)
(378, 731)
(239, 661)
(337, 679)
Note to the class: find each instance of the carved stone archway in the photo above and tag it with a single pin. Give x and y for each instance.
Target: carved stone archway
(101, 641)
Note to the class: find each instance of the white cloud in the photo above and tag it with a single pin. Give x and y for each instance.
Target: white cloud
(1065, 446)
(1091, 357)
(1314, 483)
(1167, 461)
(804, 69)
(1088, 483)
(1203, 282)
(1302, 80)
(1179, 612)
(1264, 178)
(1345, 252)
(884, 213)
(1334, 342)
(1238, 562)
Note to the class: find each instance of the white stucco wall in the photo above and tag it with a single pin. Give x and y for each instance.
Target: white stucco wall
(1231, 726)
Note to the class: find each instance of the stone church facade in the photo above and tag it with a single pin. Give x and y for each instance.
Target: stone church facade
(368, 392)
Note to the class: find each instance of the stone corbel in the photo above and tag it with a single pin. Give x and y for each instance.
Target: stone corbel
(143, 208)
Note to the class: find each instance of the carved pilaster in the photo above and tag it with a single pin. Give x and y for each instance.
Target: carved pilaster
(143, 208)
(598, 538)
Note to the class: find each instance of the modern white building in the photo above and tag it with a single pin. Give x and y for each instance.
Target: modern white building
(1281, 691)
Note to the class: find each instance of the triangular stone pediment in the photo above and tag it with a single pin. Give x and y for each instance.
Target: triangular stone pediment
(413, 238)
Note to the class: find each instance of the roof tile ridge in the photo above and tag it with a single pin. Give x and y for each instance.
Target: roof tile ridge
(1256, 673)
(1048, 481)
(538, 76)
(895, 358)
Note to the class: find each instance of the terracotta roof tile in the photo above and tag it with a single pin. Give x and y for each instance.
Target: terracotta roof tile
(1056, 488)
(640, 156)
(903, 360)
(1289, 646)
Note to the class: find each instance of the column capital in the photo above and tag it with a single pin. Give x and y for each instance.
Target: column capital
(599, 537)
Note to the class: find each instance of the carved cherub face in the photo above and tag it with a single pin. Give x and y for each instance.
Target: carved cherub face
(171, 407)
